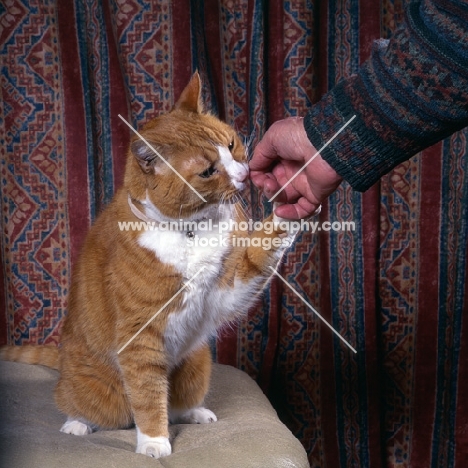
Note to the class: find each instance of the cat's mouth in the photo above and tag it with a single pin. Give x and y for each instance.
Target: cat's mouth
(233, 195)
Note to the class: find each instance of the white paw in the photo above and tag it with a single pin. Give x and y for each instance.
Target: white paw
(156, 447)
(72, 426)
(193, 416)
(277, 219)
(289, 227)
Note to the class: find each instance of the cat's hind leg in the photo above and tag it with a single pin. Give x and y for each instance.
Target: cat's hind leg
(92, 395)
(189, 385)
(198, 415)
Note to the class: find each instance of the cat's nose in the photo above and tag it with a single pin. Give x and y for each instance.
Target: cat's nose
(244, 175)
(241, 177)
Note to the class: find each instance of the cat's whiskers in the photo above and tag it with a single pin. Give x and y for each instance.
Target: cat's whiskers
(221, 202)
(248, 144)
(243, 204)
(239, 207)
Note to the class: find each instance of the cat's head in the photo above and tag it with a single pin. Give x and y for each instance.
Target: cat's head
(206, 158)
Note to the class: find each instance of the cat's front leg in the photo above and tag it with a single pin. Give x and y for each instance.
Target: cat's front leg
(257, 252)
(189, 384)
(251, 264)
(145, 377)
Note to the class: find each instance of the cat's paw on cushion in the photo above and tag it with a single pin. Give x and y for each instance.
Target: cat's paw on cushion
(156, 447)
(193, 416)
(72, 426)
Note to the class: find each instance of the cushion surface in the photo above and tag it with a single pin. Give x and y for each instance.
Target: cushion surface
(247, 434)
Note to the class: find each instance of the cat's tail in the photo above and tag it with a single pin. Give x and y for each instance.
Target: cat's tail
(43, 355)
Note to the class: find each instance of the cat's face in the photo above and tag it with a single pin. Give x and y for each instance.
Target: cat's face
(206, 156)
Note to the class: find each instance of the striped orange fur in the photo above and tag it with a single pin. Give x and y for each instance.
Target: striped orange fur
(125, 277)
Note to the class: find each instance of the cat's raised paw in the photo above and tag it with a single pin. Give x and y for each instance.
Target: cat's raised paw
(72, 426)
(276, 219)
(288, 227)
(155, 447)
(193, 416)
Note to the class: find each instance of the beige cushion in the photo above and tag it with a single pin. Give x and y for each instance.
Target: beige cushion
(247, 434)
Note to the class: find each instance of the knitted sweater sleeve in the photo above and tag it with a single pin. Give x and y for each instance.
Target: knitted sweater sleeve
(410, 94)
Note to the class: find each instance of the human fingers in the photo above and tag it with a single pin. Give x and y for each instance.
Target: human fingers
(258, 178)
(265, 154)
(303, 208)
(268, 184)
(264, 181)
(284, 140)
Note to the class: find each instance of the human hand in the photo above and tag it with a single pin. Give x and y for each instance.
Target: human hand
(280, 155)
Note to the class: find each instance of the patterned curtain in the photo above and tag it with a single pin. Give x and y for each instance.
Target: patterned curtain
(395, 287)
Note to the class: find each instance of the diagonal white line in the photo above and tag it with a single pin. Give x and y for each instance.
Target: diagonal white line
(313, 310)
(312, 158)
(160, 310)
(158, 154)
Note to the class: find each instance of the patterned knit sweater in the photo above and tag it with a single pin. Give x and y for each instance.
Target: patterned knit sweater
(410, 94)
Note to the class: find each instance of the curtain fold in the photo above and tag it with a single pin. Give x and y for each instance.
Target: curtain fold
(395, 287)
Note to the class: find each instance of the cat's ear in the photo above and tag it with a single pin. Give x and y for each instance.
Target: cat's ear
(190, 99)
(146, 157)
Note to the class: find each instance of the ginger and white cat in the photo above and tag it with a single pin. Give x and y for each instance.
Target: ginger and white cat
(125, 277)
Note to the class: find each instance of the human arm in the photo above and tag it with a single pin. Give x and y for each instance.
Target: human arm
(411, 93)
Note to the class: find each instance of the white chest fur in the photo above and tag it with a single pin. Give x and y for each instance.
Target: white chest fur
(200, 262)
(189, 253)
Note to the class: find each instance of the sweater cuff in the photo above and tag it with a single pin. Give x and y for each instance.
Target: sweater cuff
(356, 152)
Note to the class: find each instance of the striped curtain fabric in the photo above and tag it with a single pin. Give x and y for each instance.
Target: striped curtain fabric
(395, 287)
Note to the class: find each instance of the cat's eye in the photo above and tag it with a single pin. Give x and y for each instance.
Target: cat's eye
(231, 146)
(208, 173)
